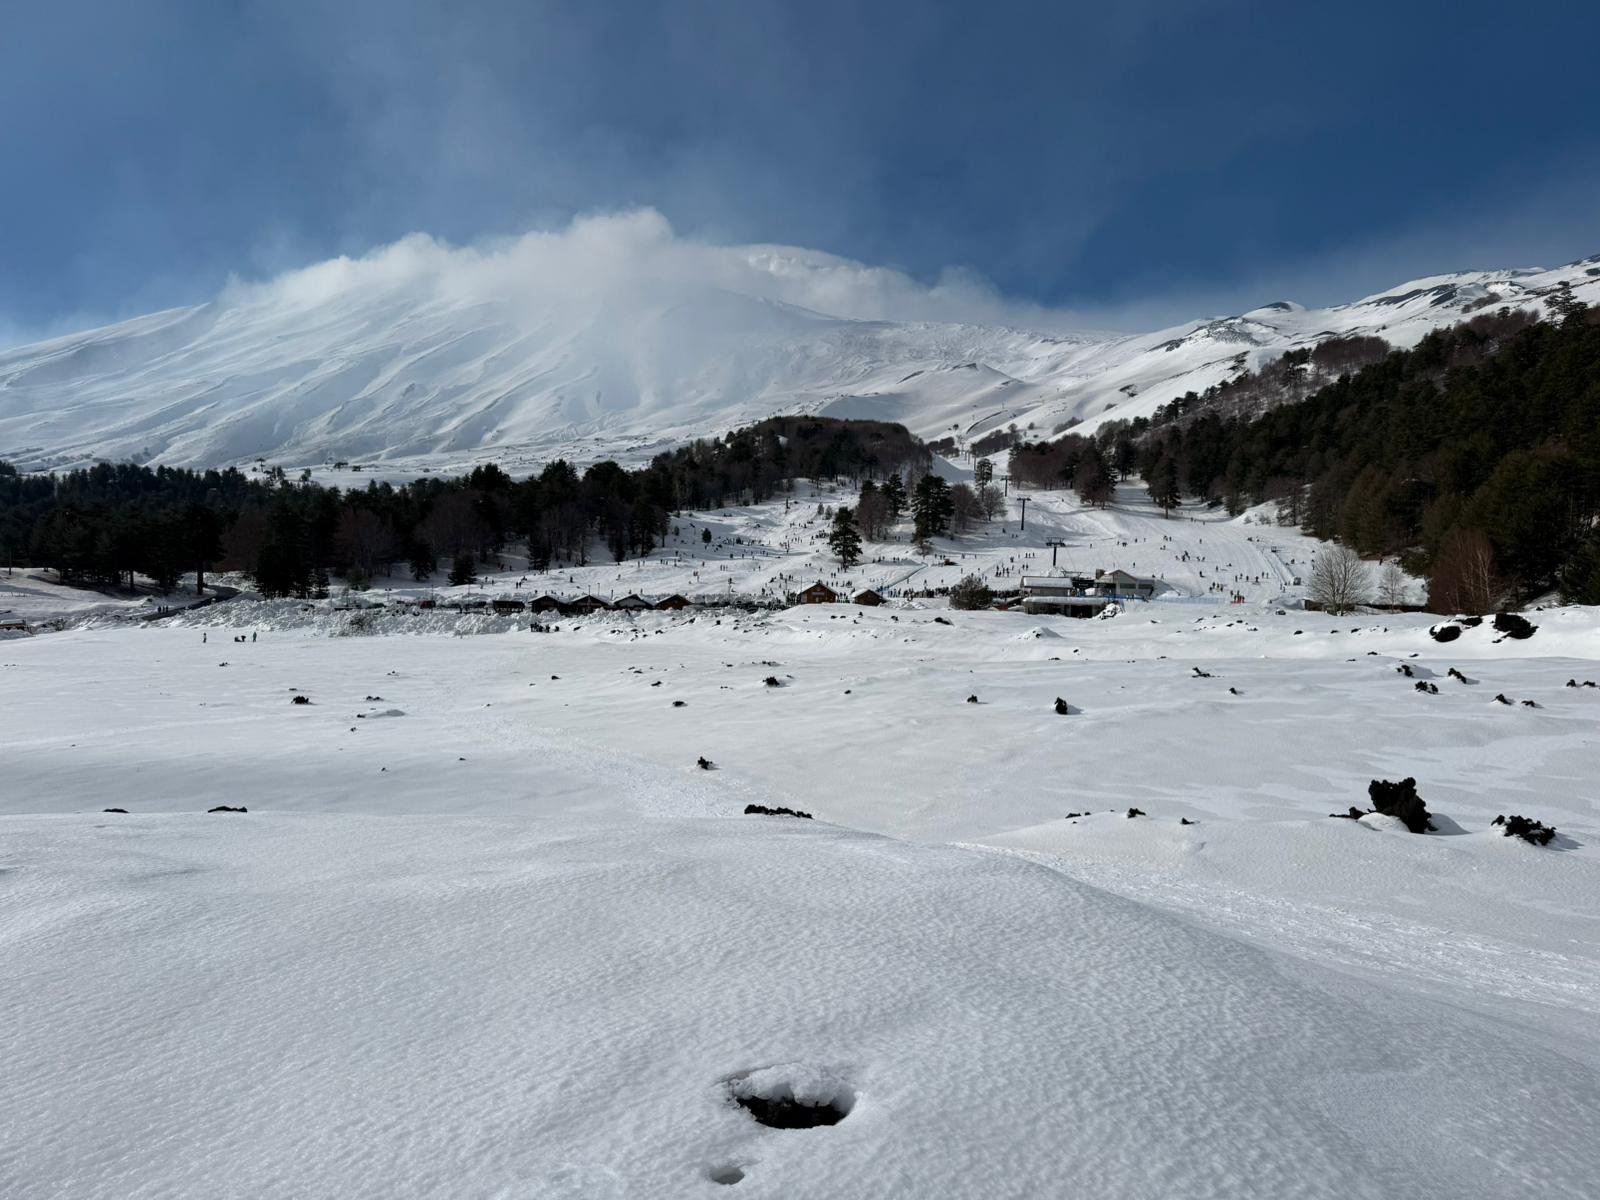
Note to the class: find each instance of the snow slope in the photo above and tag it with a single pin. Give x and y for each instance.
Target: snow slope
(768, 551)
(419, 354)
(488, 931)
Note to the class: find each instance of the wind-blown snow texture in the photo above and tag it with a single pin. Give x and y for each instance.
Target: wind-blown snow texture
(510, 941)
(617, 340)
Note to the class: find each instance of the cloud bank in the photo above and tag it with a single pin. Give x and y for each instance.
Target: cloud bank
(635, 252)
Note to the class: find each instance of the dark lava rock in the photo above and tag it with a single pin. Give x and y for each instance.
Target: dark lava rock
(761, 810)
(1513, 626)
(1526, 828)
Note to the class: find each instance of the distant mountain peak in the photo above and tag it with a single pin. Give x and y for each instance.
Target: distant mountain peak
(414, 356)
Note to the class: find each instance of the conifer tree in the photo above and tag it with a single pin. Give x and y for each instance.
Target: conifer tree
(931, 507)
(894, 493)
(844, 539)
(423, 560)
(1163, 484)
(464, 569)
(1092, 477)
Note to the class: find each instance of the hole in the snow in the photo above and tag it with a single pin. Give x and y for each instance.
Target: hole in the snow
(790, 1114)
(792, 1096)
(727, 1174)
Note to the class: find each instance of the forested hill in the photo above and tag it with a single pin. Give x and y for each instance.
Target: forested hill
(1478, 447)
(105, 524)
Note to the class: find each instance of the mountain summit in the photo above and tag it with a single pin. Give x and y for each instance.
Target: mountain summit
(424, 354)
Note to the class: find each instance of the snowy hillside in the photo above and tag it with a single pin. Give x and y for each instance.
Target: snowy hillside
(421, 354)
(765, 552)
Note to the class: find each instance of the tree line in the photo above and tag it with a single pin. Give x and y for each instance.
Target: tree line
(1474, 458)
(106, 524)
(935, 506)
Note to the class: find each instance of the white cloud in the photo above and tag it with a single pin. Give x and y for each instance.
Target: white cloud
(623, 254)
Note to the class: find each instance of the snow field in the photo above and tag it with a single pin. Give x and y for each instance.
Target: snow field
(365, 1006)
(512, 942)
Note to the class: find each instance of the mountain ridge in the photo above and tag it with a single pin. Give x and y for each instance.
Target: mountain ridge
(397, 358)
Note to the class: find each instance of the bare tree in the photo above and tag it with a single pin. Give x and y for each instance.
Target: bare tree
(1290, 495)
(964, 507)
(364, 540)
(1391, 585)
(241, 545)
(992, 501)
(1338, 580)
(872, 516)
(1465, 578)
(454, 525)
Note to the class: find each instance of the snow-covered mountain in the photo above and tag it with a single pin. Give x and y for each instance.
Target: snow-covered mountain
(406, 356)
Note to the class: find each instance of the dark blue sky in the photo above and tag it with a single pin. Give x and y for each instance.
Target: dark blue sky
(1130, 161)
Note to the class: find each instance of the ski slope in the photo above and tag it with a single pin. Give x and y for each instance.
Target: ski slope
(766, 552)
(769, 551)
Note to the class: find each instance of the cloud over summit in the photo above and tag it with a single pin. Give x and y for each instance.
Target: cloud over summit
(614, 256)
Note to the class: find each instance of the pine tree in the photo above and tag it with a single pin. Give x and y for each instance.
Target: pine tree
(1563, 304)
(464, 569)
(1092, 477)
(1580, 576)
(277, 570)
(1163, 484)
(931, 507)
(894, 492)
(424, 562)
(844, 539)
(202, 529)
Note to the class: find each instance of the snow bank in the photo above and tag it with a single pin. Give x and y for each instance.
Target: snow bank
(387, 1007)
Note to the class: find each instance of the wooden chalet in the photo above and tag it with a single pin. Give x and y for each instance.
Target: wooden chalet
(869, 597)
(818, 593)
